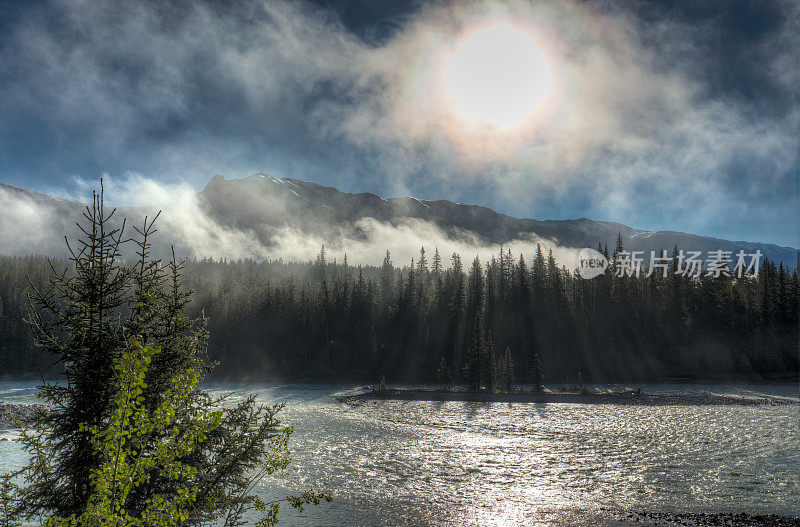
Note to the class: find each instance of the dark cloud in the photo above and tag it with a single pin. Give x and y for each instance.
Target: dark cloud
(374, 21)
(736, 41)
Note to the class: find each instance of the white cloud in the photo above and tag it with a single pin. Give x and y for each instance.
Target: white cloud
(26, 227)
(404, 242)
(38, 226)
(183, 93)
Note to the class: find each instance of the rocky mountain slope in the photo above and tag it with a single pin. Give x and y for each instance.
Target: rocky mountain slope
(266, 201)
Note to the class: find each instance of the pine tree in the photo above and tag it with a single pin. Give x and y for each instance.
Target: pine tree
(538, 271)
(457, 307)
(387, 278)
(507, 370)
(475, 300)
(443, 374)
(88, 319)
(77, 322)
(488, 364)
(472, 366)
(320, 266)
(422, 266)
(538, 280)
(523, 313)
(8, 501)
(437, 270)
(536, 373)
(619, 247)
(500, 374)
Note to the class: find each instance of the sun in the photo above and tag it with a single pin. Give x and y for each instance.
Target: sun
(498, 76)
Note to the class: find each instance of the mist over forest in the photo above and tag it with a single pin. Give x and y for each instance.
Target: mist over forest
(328, 320)
(281, 308)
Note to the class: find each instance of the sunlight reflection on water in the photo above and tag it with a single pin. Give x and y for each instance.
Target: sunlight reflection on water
(455, 463)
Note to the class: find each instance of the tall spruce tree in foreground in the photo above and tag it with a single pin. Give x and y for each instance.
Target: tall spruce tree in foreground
(133, 362)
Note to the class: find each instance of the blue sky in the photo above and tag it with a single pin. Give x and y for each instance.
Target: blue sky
(677, 115)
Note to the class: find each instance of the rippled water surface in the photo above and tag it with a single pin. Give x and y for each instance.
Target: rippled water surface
(453, 463)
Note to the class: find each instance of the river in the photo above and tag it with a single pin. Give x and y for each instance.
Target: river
(455, 463)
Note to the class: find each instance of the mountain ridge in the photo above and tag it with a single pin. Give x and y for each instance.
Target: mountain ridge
(493, 226)
(263, 204)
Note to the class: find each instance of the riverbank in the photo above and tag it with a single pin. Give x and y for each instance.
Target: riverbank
(645, 518)
(624, 398)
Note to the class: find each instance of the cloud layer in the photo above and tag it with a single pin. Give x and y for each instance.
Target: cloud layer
(678, 118)
(31, 224)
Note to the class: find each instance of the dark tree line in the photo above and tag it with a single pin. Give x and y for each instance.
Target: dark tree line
(328, 320)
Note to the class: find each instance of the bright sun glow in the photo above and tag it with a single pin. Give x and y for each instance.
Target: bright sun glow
(498, 76)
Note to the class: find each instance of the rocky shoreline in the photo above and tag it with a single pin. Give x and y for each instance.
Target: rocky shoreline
(703, 519)
(623, 398)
